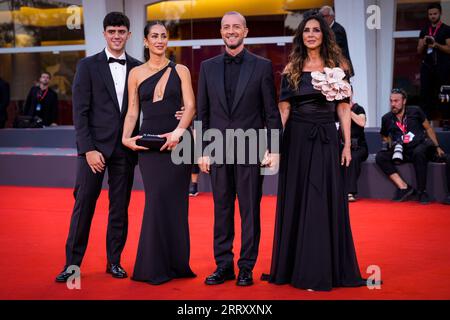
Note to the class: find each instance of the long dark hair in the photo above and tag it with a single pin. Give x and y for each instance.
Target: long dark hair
(329, 51)
(147, 29)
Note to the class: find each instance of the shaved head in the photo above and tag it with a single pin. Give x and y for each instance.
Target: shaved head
(235, 13)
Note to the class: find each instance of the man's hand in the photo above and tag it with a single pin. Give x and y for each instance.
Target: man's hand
(204, 163)
(179, 114)
(270, 160)
(96, 161)
(440, 152)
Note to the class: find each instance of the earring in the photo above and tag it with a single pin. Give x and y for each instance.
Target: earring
(146, 46)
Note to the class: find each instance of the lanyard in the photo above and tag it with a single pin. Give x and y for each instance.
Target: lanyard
(433, 34)
(402, 125)
(42, 95)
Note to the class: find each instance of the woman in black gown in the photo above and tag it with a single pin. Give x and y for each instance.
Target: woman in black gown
(313, 245)
(159, 88)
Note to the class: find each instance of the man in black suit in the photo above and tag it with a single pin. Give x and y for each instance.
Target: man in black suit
(42, 101)
(327, 13)
(4, 102)
(100, 103)
(236, 91)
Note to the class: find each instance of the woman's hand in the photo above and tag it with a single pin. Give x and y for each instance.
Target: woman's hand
(346, 156)
(173, 138)
(131, 143)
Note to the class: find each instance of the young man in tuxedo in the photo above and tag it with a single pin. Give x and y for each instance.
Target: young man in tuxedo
(100, 102)
(236, 91)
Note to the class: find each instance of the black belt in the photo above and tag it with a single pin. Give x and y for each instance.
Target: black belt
(318, 130)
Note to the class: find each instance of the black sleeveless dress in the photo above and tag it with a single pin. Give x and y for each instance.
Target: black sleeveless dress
(313, 245)
(164, 246)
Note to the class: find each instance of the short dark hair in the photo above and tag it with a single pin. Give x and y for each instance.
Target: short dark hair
(400, 91)
(47, 73)
(116, 19)
(435, 5)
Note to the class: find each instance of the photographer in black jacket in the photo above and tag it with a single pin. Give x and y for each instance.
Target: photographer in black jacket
(42, 102)
(434, 46)
(410, 138)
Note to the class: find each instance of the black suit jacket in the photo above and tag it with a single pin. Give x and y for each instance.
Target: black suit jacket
(254, 105)
(49, 103)
(341, 39)
(96, 114)
(4, 100)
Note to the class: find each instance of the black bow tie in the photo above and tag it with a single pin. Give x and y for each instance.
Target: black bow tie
(235, 59)
(121, 61)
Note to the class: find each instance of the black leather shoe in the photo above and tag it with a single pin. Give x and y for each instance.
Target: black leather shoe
(116, 271)
(403, 194)
(245, 278)
(220, 276)
(63, 276)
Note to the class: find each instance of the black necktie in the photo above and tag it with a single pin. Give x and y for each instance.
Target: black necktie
(236, 59)
(112, 60)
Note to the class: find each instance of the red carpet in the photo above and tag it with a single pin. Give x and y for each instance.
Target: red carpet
(408, 241)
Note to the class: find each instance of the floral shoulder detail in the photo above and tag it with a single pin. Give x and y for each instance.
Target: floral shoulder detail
(331, 83)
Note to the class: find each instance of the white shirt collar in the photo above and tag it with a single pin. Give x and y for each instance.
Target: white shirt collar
(109, 54)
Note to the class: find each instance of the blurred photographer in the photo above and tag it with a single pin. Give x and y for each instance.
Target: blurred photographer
(407, 137)
(434, 46)
(42, 102)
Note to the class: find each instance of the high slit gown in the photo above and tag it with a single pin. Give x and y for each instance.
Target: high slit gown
(313, 245)
(164, 246)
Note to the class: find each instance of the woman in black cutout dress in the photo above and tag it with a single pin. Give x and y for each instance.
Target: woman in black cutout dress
(313, 246)
(164, 245)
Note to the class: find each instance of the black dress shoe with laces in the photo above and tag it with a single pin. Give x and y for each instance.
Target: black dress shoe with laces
(220, 276)
(63, 276)
(245, 278)
(403, 194)
(116, 271)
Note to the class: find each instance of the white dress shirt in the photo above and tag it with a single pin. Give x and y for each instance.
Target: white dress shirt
(119, 74)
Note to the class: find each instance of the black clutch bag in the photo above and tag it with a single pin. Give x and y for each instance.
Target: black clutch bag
(151, 141)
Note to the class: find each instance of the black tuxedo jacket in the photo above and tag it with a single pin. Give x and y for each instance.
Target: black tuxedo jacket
(341, 40)
(254, 105)
(96, 114)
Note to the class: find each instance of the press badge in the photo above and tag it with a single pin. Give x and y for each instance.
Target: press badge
(429, 50)
(407, 138)
(38, 107)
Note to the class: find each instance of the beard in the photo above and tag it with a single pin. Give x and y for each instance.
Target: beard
(397, 111)
(234, 46)
(435, 20)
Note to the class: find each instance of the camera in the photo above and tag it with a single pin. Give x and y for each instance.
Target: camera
(397, 156)
(429, 40)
